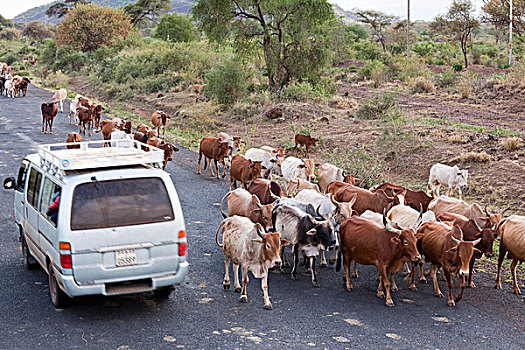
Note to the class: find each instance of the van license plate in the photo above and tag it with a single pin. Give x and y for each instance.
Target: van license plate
(126, 257)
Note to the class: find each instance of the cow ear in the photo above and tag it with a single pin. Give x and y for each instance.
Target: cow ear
(257, 240)
(263, 167)
(452, 250)
(317, 165)
(395, 240)
(300, 166)
(476, 250)
(285, 242)
(311, 232)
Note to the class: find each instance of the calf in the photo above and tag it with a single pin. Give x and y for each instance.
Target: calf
(451, 176)
(84, 118)
(213, 148)
(443, 246)
(304, 140)
(244, 170)
(278, 153)
(243, 203)
(73, 137)
(49, 112)
(9, 88)
(246, 245)
(414, 199)
(267, 191)
(385, 247)
(293, 167)
(159, 119)
(234, 142)
(471, 231)
(376, 201)
(167, 147)
(60, 96)
(73, 106)
(443, 205)
(143, 128)
(512, 240)
(23, 84)
(297, 185)
(96, 113)
(267, 160)
(306, 234)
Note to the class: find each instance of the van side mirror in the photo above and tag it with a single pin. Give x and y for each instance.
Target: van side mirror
(9, 183)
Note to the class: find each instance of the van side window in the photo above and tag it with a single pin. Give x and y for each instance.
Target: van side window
(33, 190)
(50, 201)
(21, 180)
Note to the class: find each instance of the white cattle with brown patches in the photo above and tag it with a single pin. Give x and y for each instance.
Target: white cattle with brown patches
(294, 167)
(243, 203)
(246, 244)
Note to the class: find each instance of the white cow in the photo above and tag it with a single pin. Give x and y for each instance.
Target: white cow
(73, 106)
(268, 161)
(121, 135)
(327, 174)
(294, 167)
(60, 96)
(246, 245)
(9, 88)
(451, 176)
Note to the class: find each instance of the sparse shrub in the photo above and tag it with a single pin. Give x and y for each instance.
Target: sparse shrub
(511, 143)
(376, 107)
(479, 157)
(9, 34)
(464, 85)
(298, 92)
(517, 73)
(367, 69)
(57, 80)
(456, 138)
(422, 85)
(37, 31)
(448, 78)
(68, 59)
(226, 82)
(456, 66)
(378, 76)
(345, 103)
(406, 70)
(352, 69)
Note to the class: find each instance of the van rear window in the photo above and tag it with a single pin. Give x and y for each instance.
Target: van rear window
(120, 203)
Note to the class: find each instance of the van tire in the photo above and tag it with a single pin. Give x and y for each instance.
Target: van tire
(163, 292)
(58, 297)
(29, 260)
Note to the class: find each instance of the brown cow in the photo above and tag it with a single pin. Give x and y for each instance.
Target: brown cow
(143, 137)
(214, 149)
(167, 147)
(33, 60)
(413, 199)
(335, 186)
(244, 170)
(49, 112)
(107, 127)
(512, 240)
(366, 200)
(22, 86)
(85, 118)
(304, 140)
(267, 191)
(443, 246)
(159, 119)
(143, 128)
(297, 185)
(385, 247)
(96, 113)
(471, 231)
(73, 137)
(243, 203)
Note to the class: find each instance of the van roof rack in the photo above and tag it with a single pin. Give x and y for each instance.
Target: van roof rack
(56, 158)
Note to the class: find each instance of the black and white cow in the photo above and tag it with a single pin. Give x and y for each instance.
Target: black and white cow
(306, 234)
(306, 207)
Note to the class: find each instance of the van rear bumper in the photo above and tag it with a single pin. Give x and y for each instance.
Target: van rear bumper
(73, 289)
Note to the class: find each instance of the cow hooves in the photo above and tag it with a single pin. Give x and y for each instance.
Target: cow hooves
(316, 284)
(243, 299)
(323, 264)
(226, 286)
(349, 289)
(268, 307)
(517, 291)
(458, 298)
(394, 289)
(412, 288)
(380, 295)
(294, 277)
(355, 276)
(439, 295)
(423, 280)
(451, 303)
(237, 289)
(389, 303)
(472, 285)
(498, 286)
(283, 271)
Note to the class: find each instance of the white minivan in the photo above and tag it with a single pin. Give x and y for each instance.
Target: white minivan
(100, 220)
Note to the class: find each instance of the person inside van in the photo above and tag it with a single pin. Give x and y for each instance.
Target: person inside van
(52, 211)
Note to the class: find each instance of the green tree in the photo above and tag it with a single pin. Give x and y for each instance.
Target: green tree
(37, 31)
(497, 13)
(60, 9)
(379, 22)
(144, 11)
(290, 33)
(176, 28)
(457, 24)
(89, 27)
(5, 23)
(9, 34)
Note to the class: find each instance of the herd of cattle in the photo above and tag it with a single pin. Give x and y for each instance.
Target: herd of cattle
(388, 226)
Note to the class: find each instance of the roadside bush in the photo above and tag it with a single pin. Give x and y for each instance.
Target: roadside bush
(176, 28)
(512, 143)
(422, 85)
(226, 82)
(296, 91)
(68, 59)
(447, 78)
(368, 68)
(456, 66)
(10, 58)
(376, 107)
(9, 34)
(352, 69)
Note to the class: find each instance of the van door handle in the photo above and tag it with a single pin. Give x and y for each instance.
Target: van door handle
(39, 231)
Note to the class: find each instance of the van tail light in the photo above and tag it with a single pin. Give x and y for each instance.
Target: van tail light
(182, 245)
(65, 255)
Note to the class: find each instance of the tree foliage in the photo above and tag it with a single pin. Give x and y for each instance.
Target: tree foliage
(379, 22)
(457, 24)
(144, 11)
(497, 13)
(89, 27)
(291, 33)
(9, 33)
(37, 31)
(60, 9)
(5, 23)
(176, 28)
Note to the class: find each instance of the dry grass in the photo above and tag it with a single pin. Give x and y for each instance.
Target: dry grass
(456, 138)
(479, 157)
(511, 143)
(465, 86)
(345, 103)
(422, 85)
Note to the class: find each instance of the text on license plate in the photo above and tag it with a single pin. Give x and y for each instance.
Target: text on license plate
(125, 257)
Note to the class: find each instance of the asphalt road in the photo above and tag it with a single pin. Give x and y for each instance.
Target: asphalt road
(201, 315)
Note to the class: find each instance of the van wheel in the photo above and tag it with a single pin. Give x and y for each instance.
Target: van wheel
(58, 297)
(29, 261)
(162, 293)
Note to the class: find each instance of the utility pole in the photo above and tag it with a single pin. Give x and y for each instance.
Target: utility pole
(510, 34)
(408, 29)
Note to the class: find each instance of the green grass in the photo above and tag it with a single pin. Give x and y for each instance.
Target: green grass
(453, 124)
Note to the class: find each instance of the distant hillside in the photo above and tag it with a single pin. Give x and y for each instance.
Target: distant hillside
(39, 13)
(347, 17)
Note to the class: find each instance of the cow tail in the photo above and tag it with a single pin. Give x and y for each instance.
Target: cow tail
(274, 218)
(217, 233)
(222, 201)
(338, 260)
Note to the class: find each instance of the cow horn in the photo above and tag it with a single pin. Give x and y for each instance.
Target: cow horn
(260, 231)
(334, 202)
(317, 211)
(393, 193)
(388, 226)
(456, 240)
(486, 210)
(504, 210)
(418, 220)
(476, 241)
(405, 192)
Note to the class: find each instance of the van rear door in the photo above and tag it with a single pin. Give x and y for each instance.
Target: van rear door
(122, 229)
